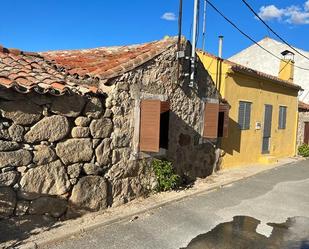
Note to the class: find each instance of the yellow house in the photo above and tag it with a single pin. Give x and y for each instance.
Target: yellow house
(263, 114)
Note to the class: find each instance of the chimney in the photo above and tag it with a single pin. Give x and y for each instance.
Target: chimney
(286, 71)
(220, 46)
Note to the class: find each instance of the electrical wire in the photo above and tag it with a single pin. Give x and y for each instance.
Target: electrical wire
(272, 30)
(244, 34)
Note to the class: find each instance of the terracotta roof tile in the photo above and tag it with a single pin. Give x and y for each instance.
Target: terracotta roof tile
(303, 106)
(51, 71)
(107, 62)
(25, 71)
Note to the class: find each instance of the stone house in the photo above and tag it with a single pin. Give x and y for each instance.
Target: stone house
(303, 124)
(80, 128)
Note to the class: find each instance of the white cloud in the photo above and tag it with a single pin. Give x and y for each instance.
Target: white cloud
(306, 6)
(270, 12)
(170, 16)
(293, 14)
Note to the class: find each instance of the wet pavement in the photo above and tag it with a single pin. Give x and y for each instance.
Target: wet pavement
(243, 233)
(267, 211)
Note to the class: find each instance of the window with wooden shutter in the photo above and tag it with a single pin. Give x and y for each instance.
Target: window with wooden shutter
(211, 116)
(154, 125)
(244, 115)
(223, 123)
(282, 117)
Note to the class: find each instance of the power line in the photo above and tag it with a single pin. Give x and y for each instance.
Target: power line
(274, 32)
(244, 34)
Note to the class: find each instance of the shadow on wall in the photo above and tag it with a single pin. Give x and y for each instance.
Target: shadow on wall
(233, 141)
(191, 157)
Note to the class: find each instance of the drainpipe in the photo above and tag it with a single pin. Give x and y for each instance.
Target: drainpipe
(194, 36)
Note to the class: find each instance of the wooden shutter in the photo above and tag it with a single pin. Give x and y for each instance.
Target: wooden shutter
(241, 114)
(244, 115)
(211, 120)
(150, 125)
(226, 109)
(282, 117)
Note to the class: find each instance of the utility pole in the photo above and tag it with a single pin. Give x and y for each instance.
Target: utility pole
(204, 25)
(194, 38)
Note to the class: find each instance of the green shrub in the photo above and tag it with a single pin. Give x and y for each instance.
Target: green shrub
(166, 177)
(303, 150)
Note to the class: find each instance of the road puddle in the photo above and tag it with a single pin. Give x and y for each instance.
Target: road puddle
(249, 233)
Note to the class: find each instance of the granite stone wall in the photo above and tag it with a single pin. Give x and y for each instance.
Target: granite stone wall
(53, 149)
(302, 118)
(67, 155)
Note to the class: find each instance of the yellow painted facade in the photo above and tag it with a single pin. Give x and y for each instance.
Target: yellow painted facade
(244, 147)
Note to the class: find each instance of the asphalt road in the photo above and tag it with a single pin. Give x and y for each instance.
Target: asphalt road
(272, 196)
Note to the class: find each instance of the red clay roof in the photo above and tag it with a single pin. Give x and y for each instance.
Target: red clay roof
(107, 62)
(243, 69)
(25, 71)
(52, 71)
(303, 106)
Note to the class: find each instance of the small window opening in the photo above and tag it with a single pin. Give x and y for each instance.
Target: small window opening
(164, 129)
(221, 124)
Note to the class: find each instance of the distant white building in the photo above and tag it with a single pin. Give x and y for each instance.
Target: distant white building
(258, 59)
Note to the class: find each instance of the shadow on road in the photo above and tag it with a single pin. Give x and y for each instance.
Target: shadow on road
(14, 231)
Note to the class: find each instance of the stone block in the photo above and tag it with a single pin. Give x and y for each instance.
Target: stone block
(82, 121)
(74, 170)
(101, 128)
(103, 152)
(93, 108)
(8, 146)
(55, 207)
(89, 194)
(43, 154)
(20, 112)
(69, 106)
(50, 129)
(7, 202)
(16, 132)
(49, 179)
(8, 179)
(15, 158)
(80, 132)
(75, 150)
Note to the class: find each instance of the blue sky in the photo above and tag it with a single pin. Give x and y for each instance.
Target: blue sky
(40, 25)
